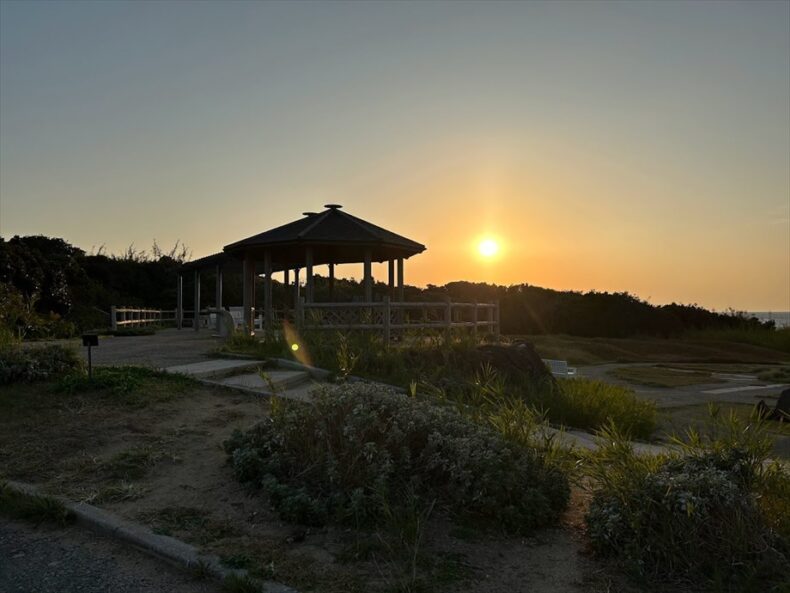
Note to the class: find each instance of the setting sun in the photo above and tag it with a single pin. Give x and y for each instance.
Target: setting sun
(488, 248)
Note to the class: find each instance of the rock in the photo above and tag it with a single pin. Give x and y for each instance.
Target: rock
(780, 413)
(519, 360)
(782, 410)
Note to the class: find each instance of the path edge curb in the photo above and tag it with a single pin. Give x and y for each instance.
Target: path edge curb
(162, 547)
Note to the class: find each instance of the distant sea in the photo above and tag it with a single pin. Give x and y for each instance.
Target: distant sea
(781, 318)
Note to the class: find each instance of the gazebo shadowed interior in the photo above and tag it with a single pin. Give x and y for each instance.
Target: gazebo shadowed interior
(328, 238)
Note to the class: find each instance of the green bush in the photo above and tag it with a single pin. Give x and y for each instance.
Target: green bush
(592, 405)
(18, 364)
(360, 450)
(693, 516)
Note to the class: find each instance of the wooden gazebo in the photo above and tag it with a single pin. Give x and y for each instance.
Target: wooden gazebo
(327, 238)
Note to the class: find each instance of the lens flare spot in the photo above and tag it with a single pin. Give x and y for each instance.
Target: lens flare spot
(294, 347)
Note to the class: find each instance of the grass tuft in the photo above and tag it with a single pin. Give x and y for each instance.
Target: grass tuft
(234, 583)
(34, 508)
(592, 405)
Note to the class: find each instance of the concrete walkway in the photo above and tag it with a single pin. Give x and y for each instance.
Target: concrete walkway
(736, 389)
(166, 348)
(250, 376)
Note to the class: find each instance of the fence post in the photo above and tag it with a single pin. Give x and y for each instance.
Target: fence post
(386, 321)
(448, 319)
(180, 302)
(496, 321)
(300, 313)
(113, 318)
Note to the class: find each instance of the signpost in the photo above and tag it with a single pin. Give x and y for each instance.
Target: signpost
(90, 340)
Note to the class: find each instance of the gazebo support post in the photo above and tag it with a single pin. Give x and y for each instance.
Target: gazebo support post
(296, 287)
(309, 274)
(218, 299)
(391, 278)
(267, 292)
(400, 280)
(196, 316)
(180, 302)
(286, 284)
(401, 298)
(248, 294)
(368, 277)
(331, 283)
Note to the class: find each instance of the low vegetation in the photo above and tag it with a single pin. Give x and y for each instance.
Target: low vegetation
(454, 372)
(778, 339)
(360, 451)
(592, 405)
(27, 364)
(34, 508)
(656, 376)
(596, 350)
(124, 381)
(713, 514)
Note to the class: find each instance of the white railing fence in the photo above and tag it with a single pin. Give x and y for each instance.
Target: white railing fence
(391, 316)
(384, 316)
(121, 317)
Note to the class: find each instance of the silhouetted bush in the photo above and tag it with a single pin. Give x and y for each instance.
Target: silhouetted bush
(360, 450)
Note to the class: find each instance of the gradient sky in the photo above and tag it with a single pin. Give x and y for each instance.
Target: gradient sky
(612, 146)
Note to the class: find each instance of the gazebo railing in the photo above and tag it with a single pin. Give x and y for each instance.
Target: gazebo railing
(387, 316)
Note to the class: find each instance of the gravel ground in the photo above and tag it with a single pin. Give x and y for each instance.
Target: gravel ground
(168, 347)
(45, 560)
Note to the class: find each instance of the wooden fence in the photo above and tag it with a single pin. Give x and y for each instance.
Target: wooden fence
(390, 316)
(121, 317)
(384, 316)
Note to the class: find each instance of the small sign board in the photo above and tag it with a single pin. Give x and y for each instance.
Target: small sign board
(90, 339)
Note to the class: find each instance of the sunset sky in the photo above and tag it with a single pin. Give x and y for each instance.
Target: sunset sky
(641, 147)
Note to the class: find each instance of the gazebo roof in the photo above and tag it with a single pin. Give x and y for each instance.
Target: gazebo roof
(334, 235)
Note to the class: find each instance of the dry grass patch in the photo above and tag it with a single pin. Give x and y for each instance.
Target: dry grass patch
(583, 351)
(655, 376)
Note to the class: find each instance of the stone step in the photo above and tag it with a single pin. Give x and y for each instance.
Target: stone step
(280, 380)
(214, 368)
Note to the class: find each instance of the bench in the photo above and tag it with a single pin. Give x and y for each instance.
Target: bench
(559, 368)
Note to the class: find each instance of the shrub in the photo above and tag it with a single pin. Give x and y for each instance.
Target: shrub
(587, 404)
(693, 516)
(19, 364)
(361, 449)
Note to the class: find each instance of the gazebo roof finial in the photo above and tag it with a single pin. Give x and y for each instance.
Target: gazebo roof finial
(333, 206)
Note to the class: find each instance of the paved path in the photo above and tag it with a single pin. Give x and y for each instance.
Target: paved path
(166, 348)
(738, 389)
(45, 560)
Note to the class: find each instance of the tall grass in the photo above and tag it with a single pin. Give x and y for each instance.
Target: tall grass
(711, 513)
(446, 370)
(593, 405)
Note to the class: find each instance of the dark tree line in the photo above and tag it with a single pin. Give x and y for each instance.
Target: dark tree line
(49, 287)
